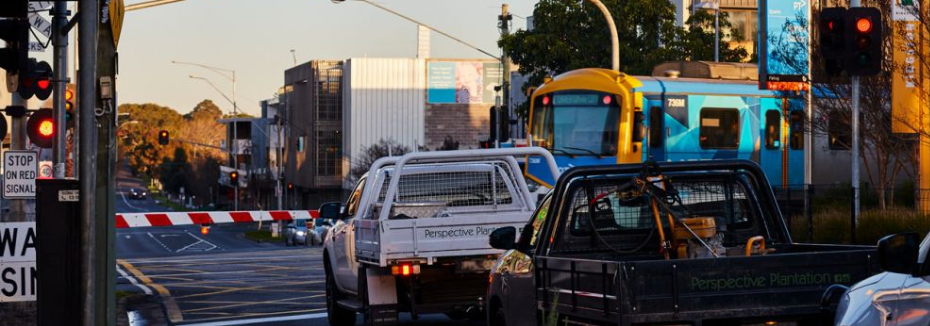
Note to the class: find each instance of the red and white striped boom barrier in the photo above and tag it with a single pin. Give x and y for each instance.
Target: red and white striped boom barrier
(135, 220)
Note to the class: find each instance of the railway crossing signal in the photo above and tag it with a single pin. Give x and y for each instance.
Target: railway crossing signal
(41, 128)
(35, 80)
(14, 30)
(851, 40)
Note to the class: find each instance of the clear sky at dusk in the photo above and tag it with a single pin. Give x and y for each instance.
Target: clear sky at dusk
(254, 37)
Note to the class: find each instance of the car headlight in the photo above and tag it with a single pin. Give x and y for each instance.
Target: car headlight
(300, 233)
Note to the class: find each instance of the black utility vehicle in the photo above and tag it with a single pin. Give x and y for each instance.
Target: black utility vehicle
(685, 243)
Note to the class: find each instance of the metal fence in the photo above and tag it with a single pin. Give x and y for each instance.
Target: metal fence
(823, 213)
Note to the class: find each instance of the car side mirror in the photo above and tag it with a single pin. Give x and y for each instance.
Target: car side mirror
(331, 210)
(897, 253)
(503, 238)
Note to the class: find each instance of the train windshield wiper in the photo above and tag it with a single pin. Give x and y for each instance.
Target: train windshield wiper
(599, 155)
(554, 150)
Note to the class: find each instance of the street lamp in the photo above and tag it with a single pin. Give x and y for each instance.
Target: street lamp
(715, 5)
(230, 75)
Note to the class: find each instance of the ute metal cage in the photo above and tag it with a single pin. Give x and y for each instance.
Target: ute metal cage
(429, 205)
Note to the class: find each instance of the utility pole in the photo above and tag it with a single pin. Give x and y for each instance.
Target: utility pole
(17, 142)
(60, 42)
(87, 99)
(504, 18)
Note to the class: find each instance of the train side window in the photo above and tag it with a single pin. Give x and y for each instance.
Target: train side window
(656, 127)
(796, 137)
(772, 129)
(719, 128)
(838, 132)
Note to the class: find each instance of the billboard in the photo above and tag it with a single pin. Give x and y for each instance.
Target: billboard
(905, 92)
(784, 44)
(462, 82)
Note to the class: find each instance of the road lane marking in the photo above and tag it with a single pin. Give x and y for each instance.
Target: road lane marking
(159, 242)
(206, 245)
(123, 195)
(174, 313)
(254, 303)
(198, 261)
(133, 281)
(263, 320)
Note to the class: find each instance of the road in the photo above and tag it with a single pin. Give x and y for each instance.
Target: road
(222, 278)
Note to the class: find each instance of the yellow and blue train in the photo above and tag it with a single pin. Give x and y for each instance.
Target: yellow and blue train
(599, 116)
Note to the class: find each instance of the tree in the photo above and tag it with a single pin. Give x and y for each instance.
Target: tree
(572, 34)
(372, 153)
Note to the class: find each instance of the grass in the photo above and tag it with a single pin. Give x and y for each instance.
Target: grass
(833, 225)
(262, 236)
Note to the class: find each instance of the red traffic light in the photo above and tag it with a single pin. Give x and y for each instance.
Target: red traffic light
(864, 25)
(41, 128)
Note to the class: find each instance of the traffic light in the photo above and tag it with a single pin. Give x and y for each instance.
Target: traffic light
(69, 105)
(14, 30)
(290, 186)
(234, 178)
(864, 41)
(163, 137)
(832, 47)
(35, 80)
(41, 128)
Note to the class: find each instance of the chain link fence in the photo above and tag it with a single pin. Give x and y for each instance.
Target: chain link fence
(823, 213)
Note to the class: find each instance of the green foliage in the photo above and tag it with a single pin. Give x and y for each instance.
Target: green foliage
(262, 236)
(177, 164)
(834, 225)
(572, 34)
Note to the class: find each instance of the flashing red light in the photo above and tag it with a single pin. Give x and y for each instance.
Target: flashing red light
(43, 83)
(545, 100)
(46, 128)
(864, 25)
(830, 25)
(607, 100)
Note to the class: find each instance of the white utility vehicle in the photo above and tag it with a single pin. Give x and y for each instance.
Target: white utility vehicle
(418, 243)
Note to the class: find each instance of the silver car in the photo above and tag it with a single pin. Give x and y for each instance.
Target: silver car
(299, 232)
(898, 297)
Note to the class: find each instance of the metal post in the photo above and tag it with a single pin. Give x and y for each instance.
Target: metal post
(235, 144)
(60, 41)
(505, 67)
(854, 121)
(87, 98)
(717, 31)
(17, 142)
(615, 41)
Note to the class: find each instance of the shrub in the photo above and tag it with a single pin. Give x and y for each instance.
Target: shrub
(834, 225)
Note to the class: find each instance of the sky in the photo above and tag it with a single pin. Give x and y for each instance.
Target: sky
(255, 38)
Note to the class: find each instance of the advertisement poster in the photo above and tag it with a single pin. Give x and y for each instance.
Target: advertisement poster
(785, 26)
(905, 95)
(462, 82)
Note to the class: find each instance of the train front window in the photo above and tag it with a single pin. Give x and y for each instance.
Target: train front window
(577, 123)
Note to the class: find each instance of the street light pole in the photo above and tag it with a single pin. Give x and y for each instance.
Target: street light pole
(614, 40)
(234, 146)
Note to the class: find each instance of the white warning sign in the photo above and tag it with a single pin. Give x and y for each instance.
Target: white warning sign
(19, 174)
(17, 262)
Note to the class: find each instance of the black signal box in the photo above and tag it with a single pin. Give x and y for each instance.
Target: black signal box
(58, 252)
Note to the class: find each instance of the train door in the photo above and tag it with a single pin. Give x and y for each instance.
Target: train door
(795, 168)
(772, 151)
(657, 132)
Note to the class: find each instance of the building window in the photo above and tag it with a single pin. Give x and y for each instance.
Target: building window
(796, 137)
(772, 129)
(329, 92)
(745, 23)
(838, 132)
(656, 127)
(719, 129)
(329, 152)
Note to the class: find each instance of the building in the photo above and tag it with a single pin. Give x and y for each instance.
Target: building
(337, 109)
(743, 15)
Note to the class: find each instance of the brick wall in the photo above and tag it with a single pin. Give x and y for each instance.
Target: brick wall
(467, 124)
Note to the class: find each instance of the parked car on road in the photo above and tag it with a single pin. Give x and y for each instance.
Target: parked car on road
(299, 232)
(898, 297)
(321, 229)
(136, 193)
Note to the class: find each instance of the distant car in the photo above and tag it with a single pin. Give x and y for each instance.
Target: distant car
(898, 296)
(298, 232)
(136, 193)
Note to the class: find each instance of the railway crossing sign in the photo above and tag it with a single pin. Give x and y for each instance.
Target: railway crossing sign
(19, 174)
